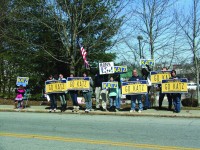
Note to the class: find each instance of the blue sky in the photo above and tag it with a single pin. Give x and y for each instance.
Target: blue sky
(126, 48)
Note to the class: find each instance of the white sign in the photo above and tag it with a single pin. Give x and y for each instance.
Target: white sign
(106, 68)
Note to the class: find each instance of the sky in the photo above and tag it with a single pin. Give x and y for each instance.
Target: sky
(128, 44)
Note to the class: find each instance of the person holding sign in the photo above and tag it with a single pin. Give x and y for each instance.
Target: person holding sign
(97, 84)
(176, 96)
(52, 97)
(87, 94)
(62, 96)
(118, 99)
(113, 93)
(19, 97)
(135, 77)
(162, 95)
(104, 95)
(145, 75)
(73, 94)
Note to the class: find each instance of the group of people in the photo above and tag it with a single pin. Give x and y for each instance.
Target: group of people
(172, 97)
(87, 94)
(111, 95)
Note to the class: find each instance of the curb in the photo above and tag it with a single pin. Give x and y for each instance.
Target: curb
(81, 112)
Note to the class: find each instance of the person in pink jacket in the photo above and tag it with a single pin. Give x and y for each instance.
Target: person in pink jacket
(19, 97)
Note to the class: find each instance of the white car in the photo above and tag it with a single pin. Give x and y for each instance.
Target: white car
(192, 86)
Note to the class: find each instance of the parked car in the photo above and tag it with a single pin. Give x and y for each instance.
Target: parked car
(192, 86)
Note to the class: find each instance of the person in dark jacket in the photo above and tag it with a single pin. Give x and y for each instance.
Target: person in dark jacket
(176, 96)
(146, 75)
(62, 96)
(162, 95)
(135, 77)
(52, 97)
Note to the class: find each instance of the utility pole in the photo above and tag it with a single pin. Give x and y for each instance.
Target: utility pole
(139, 40)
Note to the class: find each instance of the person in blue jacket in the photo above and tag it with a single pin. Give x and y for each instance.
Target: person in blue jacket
(135, 77)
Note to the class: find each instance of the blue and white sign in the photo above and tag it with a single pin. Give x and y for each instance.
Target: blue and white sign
(120, 69)
(108, 85)
(22, 81)
(144, 62)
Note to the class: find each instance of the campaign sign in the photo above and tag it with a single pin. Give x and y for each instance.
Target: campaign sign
(157, 76)
(56, 86)
(120, 69)
(175, 86)
(106, 68)
(144, 62)
(22, 81)
(108, 85)
(134, 87)
(78, 83)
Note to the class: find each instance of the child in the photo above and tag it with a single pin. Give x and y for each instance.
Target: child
(113, 92)
(19, 97)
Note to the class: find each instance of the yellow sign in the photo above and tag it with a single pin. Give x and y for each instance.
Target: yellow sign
(137, 87)
(55, 86)
(174, 86)
(157, 77)
(78, 83)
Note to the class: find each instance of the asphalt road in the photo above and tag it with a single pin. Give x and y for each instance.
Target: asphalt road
(53, 131)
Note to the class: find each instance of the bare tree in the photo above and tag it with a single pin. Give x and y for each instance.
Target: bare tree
(153, 21)
(190, 25)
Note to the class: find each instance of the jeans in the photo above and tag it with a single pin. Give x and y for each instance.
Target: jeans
(112, 101)
(118, 99)
(133, 100)
(88, 100)
(62, 98)
(73, 96)
(97, 96)
(147, 103)
(161, 97)
(52, 97)
(177, 102)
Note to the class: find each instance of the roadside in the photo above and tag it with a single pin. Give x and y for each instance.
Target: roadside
(43, 107)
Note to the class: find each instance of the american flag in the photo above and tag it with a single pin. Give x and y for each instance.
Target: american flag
(84, 54)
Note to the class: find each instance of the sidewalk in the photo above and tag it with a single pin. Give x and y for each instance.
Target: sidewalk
(149, 112)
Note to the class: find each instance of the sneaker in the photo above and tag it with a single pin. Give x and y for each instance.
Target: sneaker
(117, 110)
(132, 110)
(50, 110)
(87, 111)
(139, 111)
(54, 110)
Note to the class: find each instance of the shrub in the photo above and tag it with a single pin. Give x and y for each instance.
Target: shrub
(191, 102)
